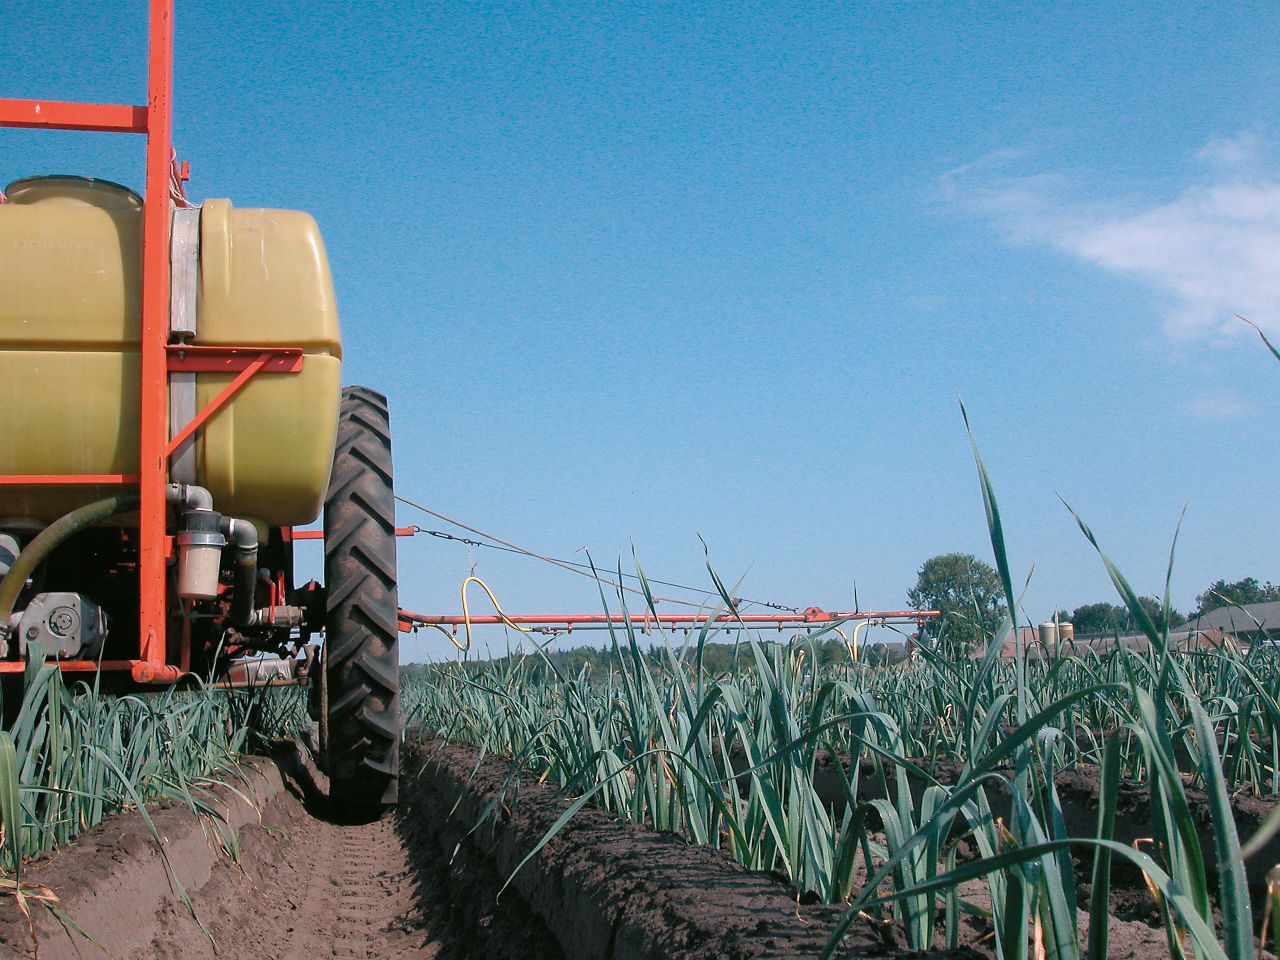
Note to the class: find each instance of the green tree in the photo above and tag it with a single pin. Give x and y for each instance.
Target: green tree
(1155, 610)
(968, 594)
(1111, 618)
(1221, 593)
(1091, 618)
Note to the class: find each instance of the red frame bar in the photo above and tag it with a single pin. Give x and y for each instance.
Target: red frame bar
(153, 434)
(142, 671)
(60, 115)
(196, 358)
(248, 360)
(319, 534)
(679, 620)
(64, 479)
(71, 666)
(194, 424)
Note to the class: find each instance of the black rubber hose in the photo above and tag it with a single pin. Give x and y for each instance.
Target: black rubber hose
(244, 537)
(246, 585)
(51, 537)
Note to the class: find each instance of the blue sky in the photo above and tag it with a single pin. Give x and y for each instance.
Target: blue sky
(632, 274)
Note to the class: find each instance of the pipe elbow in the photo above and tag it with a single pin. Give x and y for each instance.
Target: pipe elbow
(242, 534)
(189, 496)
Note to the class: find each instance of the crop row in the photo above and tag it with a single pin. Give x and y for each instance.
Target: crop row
(731, 760)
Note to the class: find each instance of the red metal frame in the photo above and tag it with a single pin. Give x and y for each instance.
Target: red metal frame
(568, 621)
(319, 534)
(248, 360)
(66, 479)
(164, 180)
(164, 177)
(60, 115)
(154, 428)
(155, 122)
(197, 358)
(142, 671)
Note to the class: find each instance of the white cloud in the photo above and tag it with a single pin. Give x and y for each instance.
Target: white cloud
(1209, 253)
(1244, 150)
(1218, 406)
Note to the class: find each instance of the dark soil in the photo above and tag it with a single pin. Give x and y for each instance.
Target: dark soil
(425, 884)
(668, 878)
(1078, 790)
(615, 890)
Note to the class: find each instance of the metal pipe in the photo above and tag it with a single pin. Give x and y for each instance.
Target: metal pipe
(853, 638)
(190, 496)
(146, 672)
(812, 615)
(278, 616)
(48, 539)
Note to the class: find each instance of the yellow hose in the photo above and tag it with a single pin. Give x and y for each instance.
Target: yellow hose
(444, 631)
(466, 614)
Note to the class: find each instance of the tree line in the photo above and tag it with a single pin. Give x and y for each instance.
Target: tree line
(968, 593)
(718, 657)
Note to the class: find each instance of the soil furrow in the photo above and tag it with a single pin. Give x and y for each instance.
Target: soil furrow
(306, 889)
(424, 883)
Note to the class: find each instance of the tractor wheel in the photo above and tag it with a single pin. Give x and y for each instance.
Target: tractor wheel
(361, 663)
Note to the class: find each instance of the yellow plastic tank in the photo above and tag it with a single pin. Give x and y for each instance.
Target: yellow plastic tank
(70, 273)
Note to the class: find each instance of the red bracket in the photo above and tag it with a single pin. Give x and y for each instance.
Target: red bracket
(249, 361)
(197, 358)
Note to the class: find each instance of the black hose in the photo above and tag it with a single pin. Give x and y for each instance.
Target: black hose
(246, 586)
(51, 537)
(244, 538)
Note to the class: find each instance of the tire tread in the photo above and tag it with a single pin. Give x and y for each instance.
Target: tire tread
(361, 627)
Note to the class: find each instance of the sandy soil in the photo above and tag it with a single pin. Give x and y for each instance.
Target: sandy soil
(303, 888)
(306, 889)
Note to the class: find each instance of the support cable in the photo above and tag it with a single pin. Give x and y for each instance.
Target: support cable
(743, 601)
(582, 569)
(538, 556)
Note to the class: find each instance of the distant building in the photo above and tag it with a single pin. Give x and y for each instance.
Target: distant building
(1234, 628)
(1181, 639)
(1249, 623)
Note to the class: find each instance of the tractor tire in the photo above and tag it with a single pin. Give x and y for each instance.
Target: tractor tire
(361, 661)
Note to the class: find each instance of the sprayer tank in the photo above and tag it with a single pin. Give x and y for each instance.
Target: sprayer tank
(70, 279)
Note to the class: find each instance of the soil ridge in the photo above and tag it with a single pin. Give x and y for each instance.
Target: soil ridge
(111, 880)
(611, 890)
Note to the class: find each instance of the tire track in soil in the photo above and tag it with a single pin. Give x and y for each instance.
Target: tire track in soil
(306, 889)
(371, 899)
